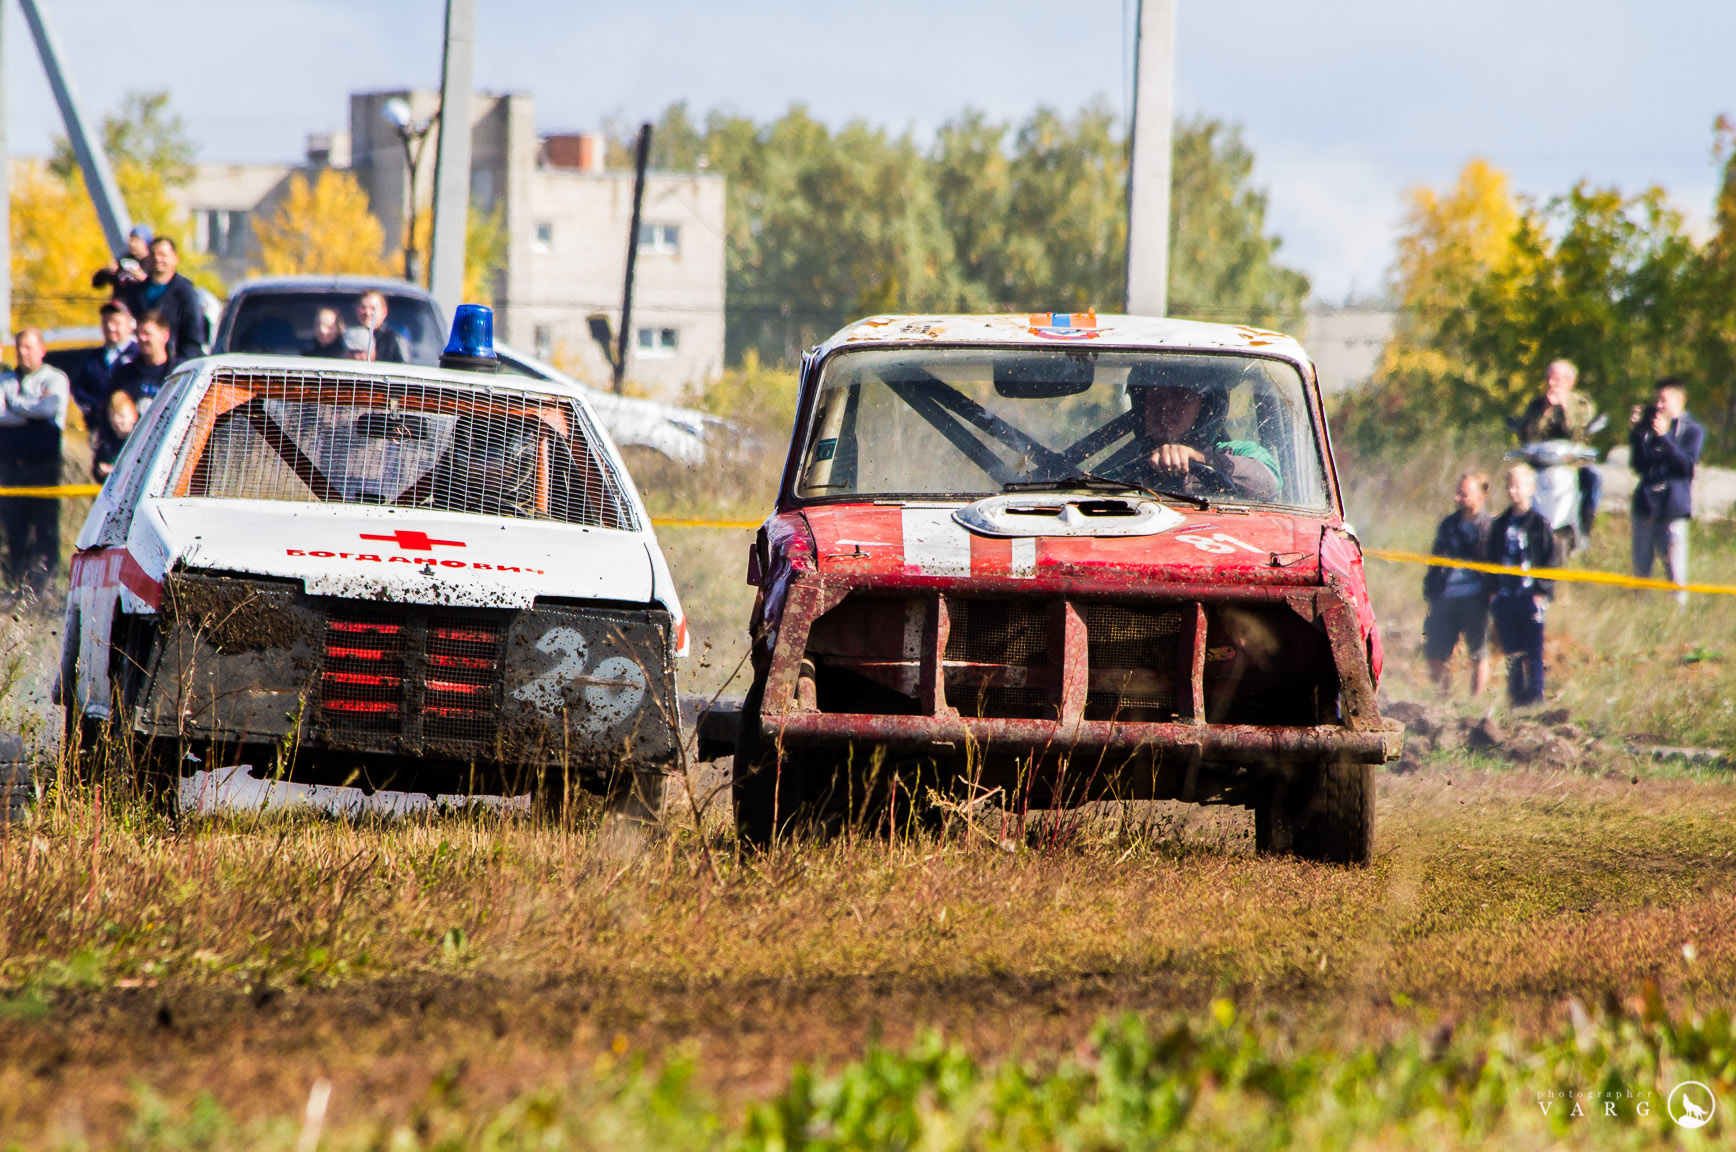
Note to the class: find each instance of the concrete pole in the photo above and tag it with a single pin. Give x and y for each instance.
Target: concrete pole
(6, 200)
(99, 180)
(1148, 170)
(452, 161)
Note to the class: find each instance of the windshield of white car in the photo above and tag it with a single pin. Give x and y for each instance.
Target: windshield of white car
(339, 439)
(972, 422)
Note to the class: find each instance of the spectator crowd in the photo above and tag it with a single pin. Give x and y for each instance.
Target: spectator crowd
(152, 322)
(1501, 579)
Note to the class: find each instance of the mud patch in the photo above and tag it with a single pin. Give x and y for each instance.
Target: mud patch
(233, 615)
(1547, 741)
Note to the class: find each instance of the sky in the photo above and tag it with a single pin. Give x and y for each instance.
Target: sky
(1346, 104)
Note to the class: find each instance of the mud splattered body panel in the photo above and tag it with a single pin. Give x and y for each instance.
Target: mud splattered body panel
(247, 661)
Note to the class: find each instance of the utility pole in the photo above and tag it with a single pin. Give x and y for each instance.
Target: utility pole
(641, 156)
(6, 200)
(99, 180)
(452, 161)
(1148, 169)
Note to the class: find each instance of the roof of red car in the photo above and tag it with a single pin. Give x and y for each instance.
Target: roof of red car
(1059, 329)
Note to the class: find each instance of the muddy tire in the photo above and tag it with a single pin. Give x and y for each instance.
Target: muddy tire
(17, 789)
(775, 791)
(754, 778)
(1325, 815)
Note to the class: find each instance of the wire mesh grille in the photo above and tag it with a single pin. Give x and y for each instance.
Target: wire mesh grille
(461, 690)
(1122, 637)
(1002, 702)
(362, 681)
(1145, 645)
(337, 437)
(998, 632)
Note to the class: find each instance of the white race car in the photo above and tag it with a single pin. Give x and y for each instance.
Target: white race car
(373, 573)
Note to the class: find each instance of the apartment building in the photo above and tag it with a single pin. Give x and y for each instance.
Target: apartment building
(567, 221)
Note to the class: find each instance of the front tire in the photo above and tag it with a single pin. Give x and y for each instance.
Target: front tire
(1326, 815)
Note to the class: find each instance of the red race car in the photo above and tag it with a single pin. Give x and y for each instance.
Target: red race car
(1067, 557)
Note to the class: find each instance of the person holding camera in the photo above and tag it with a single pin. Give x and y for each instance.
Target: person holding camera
(1664, 445)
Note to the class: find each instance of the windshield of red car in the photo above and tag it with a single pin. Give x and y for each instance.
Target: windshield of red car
(970, 422)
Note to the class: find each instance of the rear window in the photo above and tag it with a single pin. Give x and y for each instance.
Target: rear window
(284, 323)
(336, 438)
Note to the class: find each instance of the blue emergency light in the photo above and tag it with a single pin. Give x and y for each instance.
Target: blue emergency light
(471, 345)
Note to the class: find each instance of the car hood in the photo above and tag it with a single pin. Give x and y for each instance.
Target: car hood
(402, 554)
(1276, 547)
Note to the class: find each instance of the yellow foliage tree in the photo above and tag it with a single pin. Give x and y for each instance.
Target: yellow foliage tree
(1451, 242)
(323, 228)
(57, 242)
(484, 250)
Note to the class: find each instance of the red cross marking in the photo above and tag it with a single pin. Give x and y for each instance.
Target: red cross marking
(414, 541)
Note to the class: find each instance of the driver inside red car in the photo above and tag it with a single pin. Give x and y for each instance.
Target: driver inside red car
(1185, 443)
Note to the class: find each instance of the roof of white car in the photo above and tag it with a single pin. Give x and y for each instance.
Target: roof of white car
(1063, 330)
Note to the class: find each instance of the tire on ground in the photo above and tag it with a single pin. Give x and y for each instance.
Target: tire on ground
(1326, 814)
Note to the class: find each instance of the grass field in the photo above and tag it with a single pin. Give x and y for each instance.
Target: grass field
(1529, 938)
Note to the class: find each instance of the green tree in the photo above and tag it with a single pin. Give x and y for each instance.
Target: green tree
(1599, 278)
(145, 133)
(823, 227)
(1223, 263)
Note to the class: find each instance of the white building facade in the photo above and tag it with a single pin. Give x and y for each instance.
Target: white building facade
(566, 219)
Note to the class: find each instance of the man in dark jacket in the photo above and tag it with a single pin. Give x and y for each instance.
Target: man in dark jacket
(1664, 445)
(168, 292)
(91, 383)
(1521, 538)
(1458, 598)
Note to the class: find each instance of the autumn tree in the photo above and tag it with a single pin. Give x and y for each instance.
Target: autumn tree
(324, 227)
(56, 240)
(1450, 243)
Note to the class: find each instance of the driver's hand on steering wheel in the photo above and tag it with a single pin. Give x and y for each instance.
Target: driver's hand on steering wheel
(1176, 457)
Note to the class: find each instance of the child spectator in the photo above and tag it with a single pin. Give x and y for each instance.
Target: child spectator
(1458, 598)
(1521, 538)
(118, 419)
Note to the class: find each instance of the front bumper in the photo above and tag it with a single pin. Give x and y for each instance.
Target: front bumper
(245, 661)
(1232, 675)
(1233, 742)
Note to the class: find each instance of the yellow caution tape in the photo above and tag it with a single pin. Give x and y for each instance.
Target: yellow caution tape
(1392, 555)
(53, 491)
(689, 522)
(1567, 575)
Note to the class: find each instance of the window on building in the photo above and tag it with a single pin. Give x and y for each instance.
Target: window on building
(542, 339)
(660, 238)
(221, 231)
(659, 341)
(545, 236)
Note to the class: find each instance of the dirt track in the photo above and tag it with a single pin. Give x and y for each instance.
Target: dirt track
(1494, 892)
